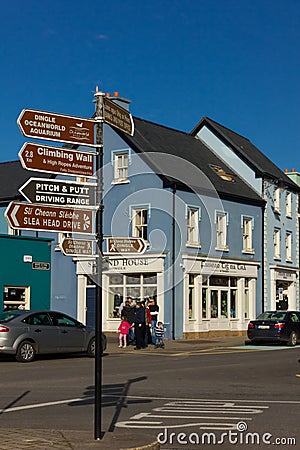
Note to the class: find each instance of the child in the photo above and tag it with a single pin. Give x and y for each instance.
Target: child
(123, 330)
(159, 333)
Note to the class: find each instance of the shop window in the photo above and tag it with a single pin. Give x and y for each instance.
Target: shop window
(221, 230)
(120, 164)
(288, 246)
(214, 304)
(233, 303)
(140, 223)
(288, 204)
(136, 286)
(193, 215)
(191, 297)
(224, 304)
(247, 224)
(277, 244)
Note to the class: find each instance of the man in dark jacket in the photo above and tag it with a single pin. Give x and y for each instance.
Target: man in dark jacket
(139, 326)
(128, 312)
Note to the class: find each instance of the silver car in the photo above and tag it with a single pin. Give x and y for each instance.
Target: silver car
(28, 333)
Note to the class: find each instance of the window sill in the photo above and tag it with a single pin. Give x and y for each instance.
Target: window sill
(289, 260)
(120, 181)
(249, 251)
(193, 245)
(222, 249)
(277, 258)
(277, 211)
(289, 216)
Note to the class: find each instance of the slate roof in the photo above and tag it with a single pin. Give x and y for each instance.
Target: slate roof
(153, 141)
(13, 176)
(243, 147)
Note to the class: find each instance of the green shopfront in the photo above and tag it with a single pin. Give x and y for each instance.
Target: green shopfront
(25, 272)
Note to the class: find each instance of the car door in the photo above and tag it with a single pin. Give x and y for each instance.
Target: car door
(71, 334)
(44, 333)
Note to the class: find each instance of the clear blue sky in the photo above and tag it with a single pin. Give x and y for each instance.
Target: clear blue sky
(236, 61)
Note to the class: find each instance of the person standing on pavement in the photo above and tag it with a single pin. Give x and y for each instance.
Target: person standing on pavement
(129, 314)
(154, 310)
(123, 332)
(148, 322)
(139, 326)
(159, 333)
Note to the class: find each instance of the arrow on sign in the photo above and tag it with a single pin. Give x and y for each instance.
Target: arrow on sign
(56, 127)
(118, 117)
(55, 160)
(49, 218)
(41, 190)
(125, 245)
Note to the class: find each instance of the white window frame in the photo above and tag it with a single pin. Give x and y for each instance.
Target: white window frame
(139, 224)
(277, 200)
(248, 226)
(221, 220)
(276, 241)
(193, 218)
(288, 204)
(288, 246)
(120, 170)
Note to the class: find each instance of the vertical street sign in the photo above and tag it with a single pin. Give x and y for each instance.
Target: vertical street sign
(42, 158)
(56, 127)
(117, 116)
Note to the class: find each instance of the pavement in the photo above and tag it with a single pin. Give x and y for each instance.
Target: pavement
(46, 439)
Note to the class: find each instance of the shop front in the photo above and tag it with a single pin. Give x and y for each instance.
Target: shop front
(220, 296)
(283, 288)
(138, 277)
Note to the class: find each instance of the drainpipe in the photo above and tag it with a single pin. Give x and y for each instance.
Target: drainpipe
(173, 259)
(263, 209)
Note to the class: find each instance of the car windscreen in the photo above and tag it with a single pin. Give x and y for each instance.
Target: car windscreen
(272, 315)
(6, 316)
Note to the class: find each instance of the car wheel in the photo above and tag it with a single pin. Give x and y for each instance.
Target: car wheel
(91, 348)
(292, 339)
(25, 352)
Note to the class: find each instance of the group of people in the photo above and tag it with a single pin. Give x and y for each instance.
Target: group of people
(139, 325)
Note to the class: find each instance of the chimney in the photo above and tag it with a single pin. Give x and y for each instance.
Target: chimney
(121, 101)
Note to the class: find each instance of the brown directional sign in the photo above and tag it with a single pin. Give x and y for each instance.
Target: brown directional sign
(125, 245)
(118, 117)
(77, 247)
(58, 192)
(26, 216)
(57, 127)
(55, 160)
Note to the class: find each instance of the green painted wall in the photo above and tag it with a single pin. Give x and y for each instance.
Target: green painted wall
(15, 272)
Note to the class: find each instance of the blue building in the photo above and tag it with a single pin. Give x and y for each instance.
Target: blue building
(280, 227)
(203, 227)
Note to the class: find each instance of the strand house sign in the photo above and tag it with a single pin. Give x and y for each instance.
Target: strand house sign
(57, 127)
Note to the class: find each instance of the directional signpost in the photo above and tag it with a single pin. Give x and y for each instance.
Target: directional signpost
(125, 245)
(57, 192)
(77, 247)
(117, 116)
(55, 160)
(49, 218)
(56, 127)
